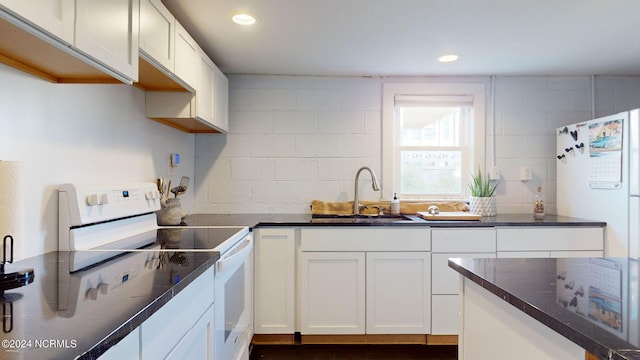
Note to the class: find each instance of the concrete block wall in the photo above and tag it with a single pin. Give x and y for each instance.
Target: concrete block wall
(293, 139)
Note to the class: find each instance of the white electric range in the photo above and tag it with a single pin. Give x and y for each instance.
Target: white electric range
(112, 235)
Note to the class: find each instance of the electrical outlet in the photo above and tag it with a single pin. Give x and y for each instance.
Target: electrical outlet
(525, 173)
(494, 172)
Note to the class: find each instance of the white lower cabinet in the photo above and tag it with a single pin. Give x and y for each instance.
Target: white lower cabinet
(550, 241)
(385, 280)
(186, 319)
(365, 281)
(275, 280)
(333, 292)
(453, 243)
(398, 292)
(127, 349)
(198, 343)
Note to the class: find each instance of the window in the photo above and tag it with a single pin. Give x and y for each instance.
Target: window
(433, 138)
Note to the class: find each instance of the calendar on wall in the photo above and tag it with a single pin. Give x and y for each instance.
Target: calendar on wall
(605, 154)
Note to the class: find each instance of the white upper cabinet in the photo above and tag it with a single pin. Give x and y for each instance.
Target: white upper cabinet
(205, 109)
(108, 32)
(213, 94)
(205, 88)
(221, 100)
(63, 41)
(157, 33)
(52, 16)
(187, 64)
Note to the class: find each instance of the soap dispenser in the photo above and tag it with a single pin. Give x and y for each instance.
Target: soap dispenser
(538, 204)
(395, 205)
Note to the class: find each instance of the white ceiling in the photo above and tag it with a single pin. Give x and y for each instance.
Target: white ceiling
(404, 37)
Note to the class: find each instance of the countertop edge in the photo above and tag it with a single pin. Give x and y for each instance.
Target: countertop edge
(305, 220)
(578, 338)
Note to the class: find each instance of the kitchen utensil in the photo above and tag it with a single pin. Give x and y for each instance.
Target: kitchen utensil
(180, 189)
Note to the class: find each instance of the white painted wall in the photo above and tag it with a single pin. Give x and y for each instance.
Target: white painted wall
(291, 140)
(295, 139)
(79, 133)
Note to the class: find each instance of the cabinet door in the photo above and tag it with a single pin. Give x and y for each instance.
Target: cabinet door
(127, 349)
(187, 54)
(333, 292)
(108, 32)
(161, 332)
(157, 33)
(398, 292)
(275, 277)
(205, 88)
(445, 279)
(199, 342)
(53, 16)
(221, 100)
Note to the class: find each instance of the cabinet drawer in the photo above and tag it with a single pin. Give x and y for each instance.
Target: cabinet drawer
(463, 240)
(445, 280)
(365, 239)
(550, 239)
(163, 330)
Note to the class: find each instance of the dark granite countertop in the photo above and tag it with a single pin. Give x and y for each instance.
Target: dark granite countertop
(52, 312)
(274, 220)
(591, 301)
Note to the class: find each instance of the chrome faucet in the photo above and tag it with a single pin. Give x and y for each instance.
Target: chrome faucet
(374, 185)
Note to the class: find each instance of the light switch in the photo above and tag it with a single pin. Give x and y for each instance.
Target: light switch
(525, 173)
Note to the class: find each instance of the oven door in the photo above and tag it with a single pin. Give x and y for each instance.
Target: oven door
(233, 301)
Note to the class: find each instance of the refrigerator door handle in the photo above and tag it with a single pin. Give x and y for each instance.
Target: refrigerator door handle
(634, 153)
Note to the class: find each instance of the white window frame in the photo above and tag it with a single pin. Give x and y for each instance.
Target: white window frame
(390, 90)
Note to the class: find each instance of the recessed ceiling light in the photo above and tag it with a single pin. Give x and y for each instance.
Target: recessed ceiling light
(448, 58)
(243, 19)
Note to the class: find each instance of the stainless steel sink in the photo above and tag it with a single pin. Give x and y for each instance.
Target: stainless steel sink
(360, 219)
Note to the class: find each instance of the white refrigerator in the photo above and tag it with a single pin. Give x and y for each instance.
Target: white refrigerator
(597, 173)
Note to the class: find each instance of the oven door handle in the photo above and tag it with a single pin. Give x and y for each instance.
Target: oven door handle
(237, 255)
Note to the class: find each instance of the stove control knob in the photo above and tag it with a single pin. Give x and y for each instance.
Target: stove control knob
(152, 195)
(93, 200)
(104, 199)
(103, 288)
(91, 294)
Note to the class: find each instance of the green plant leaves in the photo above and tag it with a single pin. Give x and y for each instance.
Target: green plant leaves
(481, 186)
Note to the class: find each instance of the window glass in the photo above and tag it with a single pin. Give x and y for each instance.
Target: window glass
(430, 140)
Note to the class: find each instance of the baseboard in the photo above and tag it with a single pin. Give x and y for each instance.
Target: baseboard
(273, 339)
(442, 339)
(419, 339)
(365, 339)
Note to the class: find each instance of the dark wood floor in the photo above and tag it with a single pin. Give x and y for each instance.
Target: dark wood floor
(354, 352)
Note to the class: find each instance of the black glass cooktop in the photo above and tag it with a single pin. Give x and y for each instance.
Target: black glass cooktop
(185, 239)
(174, 239)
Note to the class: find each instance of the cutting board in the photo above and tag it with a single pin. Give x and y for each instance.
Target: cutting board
(453, 215)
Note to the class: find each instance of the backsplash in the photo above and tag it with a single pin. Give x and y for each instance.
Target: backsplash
(79, 133)
(293, 139)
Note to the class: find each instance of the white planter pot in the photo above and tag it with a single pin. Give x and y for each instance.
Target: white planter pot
(484, 206)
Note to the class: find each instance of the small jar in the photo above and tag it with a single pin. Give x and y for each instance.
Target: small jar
(538, 204)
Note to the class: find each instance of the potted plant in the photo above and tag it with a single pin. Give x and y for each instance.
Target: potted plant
(483, 201)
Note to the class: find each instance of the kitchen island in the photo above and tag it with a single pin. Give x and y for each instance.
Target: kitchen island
(554, 308)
